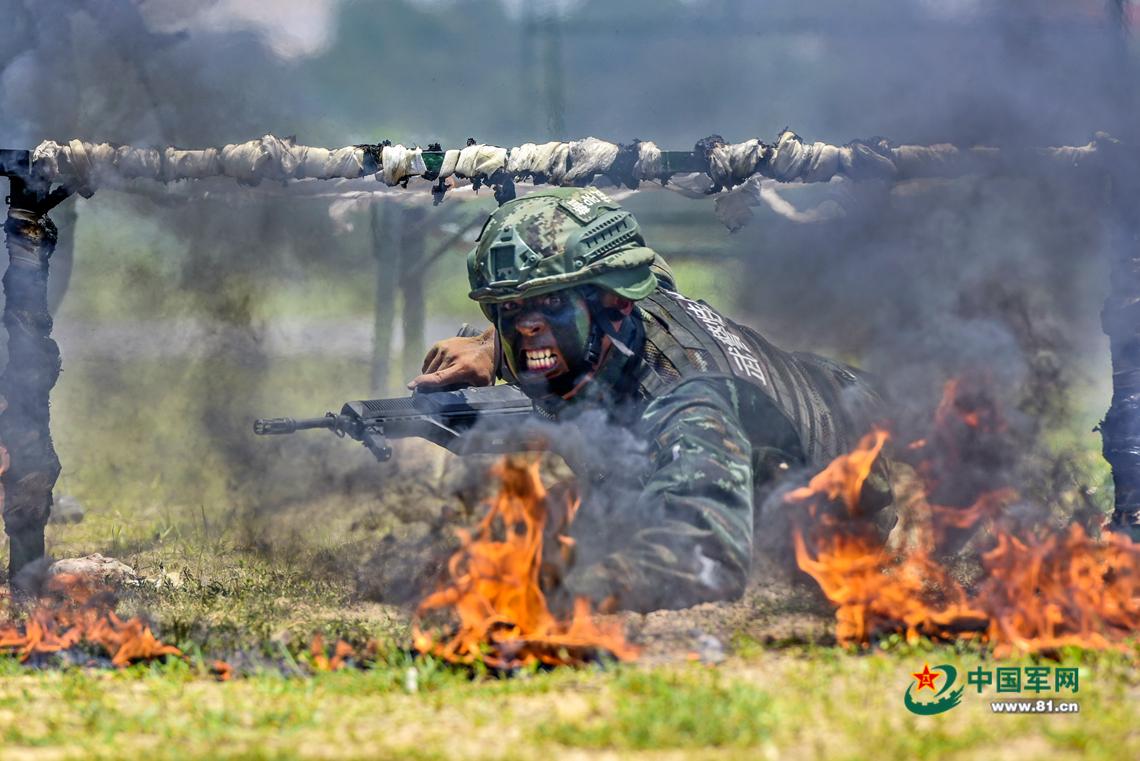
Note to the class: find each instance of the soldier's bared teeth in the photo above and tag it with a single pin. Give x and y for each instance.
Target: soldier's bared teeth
(539, 360)
(536, 357)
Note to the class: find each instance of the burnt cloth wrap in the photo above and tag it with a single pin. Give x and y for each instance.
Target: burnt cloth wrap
(26, 383)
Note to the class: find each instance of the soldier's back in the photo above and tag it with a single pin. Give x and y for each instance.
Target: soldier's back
(812, 407)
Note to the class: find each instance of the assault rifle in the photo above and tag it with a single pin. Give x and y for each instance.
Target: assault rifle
(441, 417)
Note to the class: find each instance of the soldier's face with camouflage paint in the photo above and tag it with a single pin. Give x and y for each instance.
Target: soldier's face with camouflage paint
(545, 340)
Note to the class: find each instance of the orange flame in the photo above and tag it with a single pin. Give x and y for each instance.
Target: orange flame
(1039, 592)
(957, 404)
(494, 588)
(1065, 589)
(323, 661)
(844, 477)
(73, 610)
(222, 670)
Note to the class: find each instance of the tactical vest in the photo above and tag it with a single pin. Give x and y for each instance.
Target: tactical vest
(803, 405)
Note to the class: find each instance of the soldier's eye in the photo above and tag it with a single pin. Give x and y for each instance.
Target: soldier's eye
(509, 307)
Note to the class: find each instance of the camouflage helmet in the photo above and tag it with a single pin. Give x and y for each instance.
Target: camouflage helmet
(557, 239)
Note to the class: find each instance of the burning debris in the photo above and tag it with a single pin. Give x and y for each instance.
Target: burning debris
(495, 593)
(75, 616)
(340, 655)
(73, 623)
(317, 657)
(1040, 589)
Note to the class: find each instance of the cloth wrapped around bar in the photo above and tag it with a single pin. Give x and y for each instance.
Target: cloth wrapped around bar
(83, 165)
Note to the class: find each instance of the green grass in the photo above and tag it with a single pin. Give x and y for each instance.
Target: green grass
(794, 703)
(671, 709)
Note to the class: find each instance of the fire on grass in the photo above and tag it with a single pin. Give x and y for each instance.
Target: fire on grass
(1041, 589)
(73, 613)
(500, 614)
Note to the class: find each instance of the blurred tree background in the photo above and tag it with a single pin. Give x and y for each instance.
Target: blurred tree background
(185, 319)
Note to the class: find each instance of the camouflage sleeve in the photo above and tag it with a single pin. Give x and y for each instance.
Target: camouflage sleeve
(690, 528)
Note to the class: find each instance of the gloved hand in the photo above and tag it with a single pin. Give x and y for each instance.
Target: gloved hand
(458, 361)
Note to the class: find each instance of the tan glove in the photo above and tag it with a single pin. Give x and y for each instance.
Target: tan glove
(458, 361)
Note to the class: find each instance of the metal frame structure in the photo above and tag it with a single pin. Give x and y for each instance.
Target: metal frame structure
(34, 361)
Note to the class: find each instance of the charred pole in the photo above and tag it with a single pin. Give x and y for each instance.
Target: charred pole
(33, 362)
(1120, 319)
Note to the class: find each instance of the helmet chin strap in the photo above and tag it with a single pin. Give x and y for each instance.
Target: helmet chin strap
(602, 328)
(616, 336)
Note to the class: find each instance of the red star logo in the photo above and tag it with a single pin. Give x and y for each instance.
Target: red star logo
(926, 677)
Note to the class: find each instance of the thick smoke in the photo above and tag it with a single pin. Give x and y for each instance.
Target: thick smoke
(188, 332)
(916, 283)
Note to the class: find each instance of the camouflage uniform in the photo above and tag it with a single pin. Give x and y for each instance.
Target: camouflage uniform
(724, 413)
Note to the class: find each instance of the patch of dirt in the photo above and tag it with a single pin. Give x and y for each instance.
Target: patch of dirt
(778, 608)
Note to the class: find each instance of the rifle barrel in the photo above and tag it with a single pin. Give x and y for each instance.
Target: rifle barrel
(280, 425)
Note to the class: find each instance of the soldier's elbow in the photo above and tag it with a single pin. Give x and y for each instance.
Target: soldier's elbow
(717, 579)
(735, 581)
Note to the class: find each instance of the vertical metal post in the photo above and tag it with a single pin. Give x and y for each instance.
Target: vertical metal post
(30, 373)
(412, 290)
(554, 90)
(385, 223)
(528, 70)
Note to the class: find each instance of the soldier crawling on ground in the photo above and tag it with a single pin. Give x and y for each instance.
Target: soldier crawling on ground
(585, 316)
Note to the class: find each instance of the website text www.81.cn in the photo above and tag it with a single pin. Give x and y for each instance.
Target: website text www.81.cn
(1030, 705)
